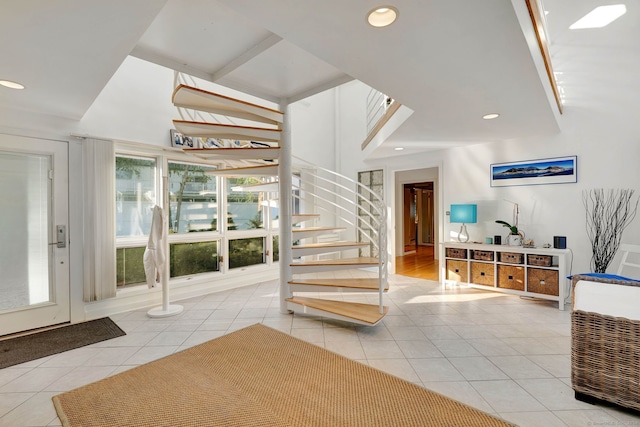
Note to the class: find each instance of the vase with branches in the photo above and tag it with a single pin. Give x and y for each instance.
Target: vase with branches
(608, 213)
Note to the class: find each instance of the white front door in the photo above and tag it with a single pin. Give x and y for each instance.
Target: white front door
(34, 241)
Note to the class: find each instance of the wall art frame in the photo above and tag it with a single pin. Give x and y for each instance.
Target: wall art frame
(179, 140)
(554, 170)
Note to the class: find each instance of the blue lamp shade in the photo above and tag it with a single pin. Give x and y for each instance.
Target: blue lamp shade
(465, 214)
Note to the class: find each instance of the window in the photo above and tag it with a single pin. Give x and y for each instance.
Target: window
(244, 252)
(245, 208)
(130, 270)
(135, 195)
(208, 217)
(193, 258)
(193, 198)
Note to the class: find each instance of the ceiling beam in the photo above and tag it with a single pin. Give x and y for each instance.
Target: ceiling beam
(247, 56)
(155, 58)
(329, 84)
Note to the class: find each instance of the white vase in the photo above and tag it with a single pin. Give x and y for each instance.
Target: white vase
(514, 240)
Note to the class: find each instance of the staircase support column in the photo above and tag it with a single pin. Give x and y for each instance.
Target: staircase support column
(285, 172)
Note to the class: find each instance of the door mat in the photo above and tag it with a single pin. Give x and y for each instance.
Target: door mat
(25, 348)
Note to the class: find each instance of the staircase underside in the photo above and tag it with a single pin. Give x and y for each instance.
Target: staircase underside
(222, 131)
(256, 153)
(318, 248)
(352, 284)
(202, 100)
(363, 314)
(250, 171)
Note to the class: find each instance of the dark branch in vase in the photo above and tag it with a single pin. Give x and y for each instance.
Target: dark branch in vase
(608, 213)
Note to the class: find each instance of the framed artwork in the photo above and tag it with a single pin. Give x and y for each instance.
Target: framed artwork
(179, 140)
(211, 143)
(556, 170)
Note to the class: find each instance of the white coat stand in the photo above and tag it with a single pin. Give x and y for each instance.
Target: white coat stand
(167, 309)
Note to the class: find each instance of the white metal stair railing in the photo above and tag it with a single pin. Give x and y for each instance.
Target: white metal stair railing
(377, 105)
(350, 204)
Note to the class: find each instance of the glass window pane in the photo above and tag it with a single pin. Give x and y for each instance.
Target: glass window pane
(25, 190)
(193, 258)
(192, 198)
(130, 268)
(245, 208)
(243, 252)
(135, 195)
(276, 248)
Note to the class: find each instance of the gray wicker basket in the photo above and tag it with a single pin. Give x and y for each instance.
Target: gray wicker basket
(605, 354)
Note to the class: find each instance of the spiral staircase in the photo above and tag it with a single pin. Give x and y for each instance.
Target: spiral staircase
(327, 274)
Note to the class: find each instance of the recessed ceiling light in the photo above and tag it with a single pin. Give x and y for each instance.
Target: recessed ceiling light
(600, 17)
(491, 116)
(382, 16)
(399, 148)
(12, 85)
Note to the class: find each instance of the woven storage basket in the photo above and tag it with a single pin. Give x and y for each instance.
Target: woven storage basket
(483, 255)
(542, 281)
(539, 260)
(511, 257)
(456, 253)
(482, 273)
(457, 270)
(605, 351)
(511, 277)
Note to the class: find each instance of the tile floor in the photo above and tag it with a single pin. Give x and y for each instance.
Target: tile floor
(499, 353)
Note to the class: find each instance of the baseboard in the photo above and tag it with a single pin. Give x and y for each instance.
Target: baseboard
(182, 289)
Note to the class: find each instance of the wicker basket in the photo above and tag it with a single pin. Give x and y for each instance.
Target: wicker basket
(539, 260)
(511, 277)
(604, 357)
(604, 354)
(542, 281)
(482, 273)
(511, 257)
(456, 253)
(457, 270)
(483, 255)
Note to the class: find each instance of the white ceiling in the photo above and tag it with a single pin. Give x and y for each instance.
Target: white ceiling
(450, 61)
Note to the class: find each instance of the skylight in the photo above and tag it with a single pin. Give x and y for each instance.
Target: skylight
(600, 17)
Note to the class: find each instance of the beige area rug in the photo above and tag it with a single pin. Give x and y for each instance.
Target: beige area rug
(258, 376)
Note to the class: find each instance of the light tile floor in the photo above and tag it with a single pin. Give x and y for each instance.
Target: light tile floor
(499, 353)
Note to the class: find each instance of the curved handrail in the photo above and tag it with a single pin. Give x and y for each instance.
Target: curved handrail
(353, 203)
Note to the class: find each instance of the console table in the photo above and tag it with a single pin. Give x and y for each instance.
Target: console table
(532, 272)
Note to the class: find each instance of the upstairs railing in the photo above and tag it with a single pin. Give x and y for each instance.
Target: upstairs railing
(377, 105)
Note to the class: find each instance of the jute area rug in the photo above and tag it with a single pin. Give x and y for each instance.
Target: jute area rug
(33, 346)
(258, 376)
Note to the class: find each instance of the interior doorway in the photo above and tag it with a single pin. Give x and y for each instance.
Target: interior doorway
(416, 213)
(418, 216)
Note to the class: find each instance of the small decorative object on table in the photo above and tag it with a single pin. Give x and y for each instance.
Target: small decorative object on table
(529, 243)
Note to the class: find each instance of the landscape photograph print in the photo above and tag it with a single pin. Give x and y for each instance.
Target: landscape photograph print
(557, 170)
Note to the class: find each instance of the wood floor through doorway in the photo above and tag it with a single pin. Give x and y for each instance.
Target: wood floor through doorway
(420, 264)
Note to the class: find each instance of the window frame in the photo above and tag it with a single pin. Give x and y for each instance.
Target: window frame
(222, 235)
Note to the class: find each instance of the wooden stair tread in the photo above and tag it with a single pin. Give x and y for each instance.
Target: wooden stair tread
(331, 244)
(234, 153)
(299, 230)
(356, 283)
(368, 313)
(261, 170)
(202, 100)
(339, 261)
(224, 131)
(262, 186)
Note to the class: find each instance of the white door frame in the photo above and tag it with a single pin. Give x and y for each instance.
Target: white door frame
(58, 310)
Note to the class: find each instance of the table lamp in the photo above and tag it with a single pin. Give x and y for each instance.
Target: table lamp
(464, 214)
